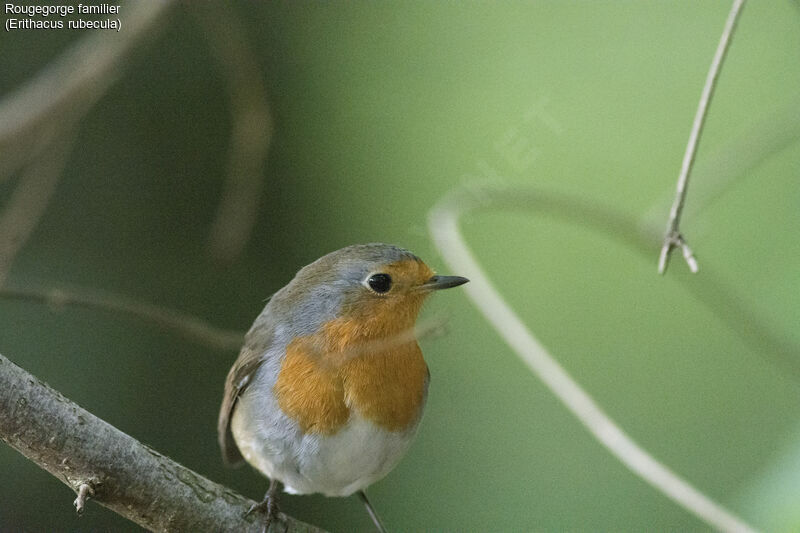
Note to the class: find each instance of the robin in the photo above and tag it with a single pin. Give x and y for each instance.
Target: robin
(328, 391)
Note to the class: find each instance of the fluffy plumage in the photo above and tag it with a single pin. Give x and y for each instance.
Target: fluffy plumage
(329, 388)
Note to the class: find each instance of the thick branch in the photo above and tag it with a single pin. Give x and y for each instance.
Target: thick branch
(121, 473)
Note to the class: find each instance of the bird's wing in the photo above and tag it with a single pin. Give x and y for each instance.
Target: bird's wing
(240, 375)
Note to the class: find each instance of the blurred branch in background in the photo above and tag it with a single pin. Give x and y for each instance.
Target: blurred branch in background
(188, 326)
(37, 120)
(719, 298)
(673, 237)
(443, 223)
(97, 460)
(31, 196)
(251, 133)
(67, 88)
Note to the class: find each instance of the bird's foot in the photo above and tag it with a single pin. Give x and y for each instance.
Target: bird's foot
(268, 506)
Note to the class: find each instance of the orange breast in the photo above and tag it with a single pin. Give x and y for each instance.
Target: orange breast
(321, 381)
(388, 388)
(309, 392)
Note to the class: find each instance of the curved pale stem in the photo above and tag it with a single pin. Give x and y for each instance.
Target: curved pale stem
(443, 224)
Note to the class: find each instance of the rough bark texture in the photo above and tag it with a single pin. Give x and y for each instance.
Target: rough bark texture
(124, 475)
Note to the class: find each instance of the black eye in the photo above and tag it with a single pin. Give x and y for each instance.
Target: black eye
(380, 283)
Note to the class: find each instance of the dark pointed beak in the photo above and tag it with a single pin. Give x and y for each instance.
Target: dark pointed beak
(443, 282)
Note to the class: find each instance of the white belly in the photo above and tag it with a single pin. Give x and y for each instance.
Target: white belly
(357, 455)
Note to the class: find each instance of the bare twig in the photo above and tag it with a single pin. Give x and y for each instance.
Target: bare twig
(730, 163)
(718, 297)
(189, 326)
(29, 200)
(251, 134)
(131, 479)
(443, 223)
(672, 237)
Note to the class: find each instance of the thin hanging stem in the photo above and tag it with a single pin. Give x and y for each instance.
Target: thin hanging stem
(673, 237)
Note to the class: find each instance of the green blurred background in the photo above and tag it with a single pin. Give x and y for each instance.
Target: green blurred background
(380, 109)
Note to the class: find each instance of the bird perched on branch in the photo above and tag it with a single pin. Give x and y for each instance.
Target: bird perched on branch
(328, 391)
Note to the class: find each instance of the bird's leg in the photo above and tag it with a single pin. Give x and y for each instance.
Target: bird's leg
(269, 504)
(371, 510)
